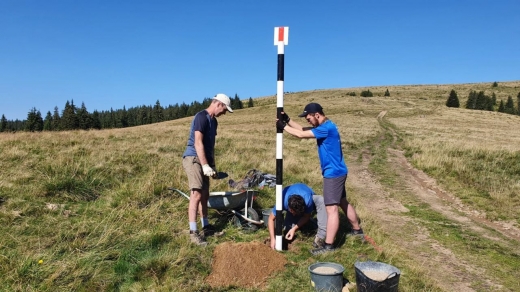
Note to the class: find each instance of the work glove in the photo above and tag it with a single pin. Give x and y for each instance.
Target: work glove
(280, 125)
(215, 170)
(285, 118)
(208, 170)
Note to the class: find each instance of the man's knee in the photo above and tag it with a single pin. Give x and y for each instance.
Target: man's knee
(196, 194)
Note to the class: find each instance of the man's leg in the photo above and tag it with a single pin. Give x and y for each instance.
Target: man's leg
(195, 200)
(350, 213)
(203, 207)
(196, 182)
(332, 229)
(321, 215)
(332, 223)
(207, 229)
(333, 193)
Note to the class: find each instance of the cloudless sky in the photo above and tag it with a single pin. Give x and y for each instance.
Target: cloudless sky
(109, 54)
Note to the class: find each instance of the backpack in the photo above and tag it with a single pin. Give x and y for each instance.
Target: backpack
(254, 178)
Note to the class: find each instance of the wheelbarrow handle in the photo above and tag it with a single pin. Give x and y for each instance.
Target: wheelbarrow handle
(247, 219)
(180, 192)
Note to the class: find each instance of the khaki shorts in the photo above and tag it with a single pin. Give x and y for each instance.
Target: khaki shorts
(196, 178)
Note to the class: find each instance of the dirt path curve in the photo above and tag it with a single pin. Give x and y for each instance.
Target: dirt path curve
(450, 272)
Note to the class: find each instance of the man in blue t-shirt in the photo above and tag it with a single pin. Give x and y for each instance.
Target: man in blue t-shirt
(299, 200)
(198, 161)
(333, 168)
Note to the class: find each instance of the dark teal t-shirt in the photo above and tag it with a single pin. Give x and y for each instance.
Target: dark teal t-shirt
(203, 123)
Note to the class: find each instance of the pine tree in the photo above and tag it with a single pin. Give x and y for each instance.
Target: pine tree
(207, 101)
(251, 104)
(84, 118)
(96, 121)
(141, 116)
(501, 107)
(236, 103)
(194, 108)
(453, 99)
(509, 108)
(157, 115)
(183, 110)
(472, 99)
(495, 84)
(69, 119)
(481, 101)
(34, 121)
(494, 99)
(518, 103)
(111, 121)
(387, 93)
(489, 104)
(123, 119)
(56, 120)
(3, 124)
(47, 122)
(84, 122)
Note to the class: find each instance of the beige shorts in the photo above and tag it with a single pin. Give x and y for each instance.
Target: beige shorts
(196, 178)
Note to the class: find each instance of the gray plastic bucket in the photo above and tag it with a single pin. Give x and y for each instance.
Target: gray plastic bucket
(265, 214)
(327, 276)
(388, 281)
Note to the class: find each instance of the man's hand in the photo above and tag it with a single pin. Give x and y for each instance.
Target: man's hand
(290, 234)
(273, 243)
(208, 171)
(215, 170)
(285, 118)
(280, 125)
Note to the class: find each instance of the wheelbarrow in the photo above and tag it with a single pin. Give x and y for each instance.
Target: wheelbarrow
(237, 204)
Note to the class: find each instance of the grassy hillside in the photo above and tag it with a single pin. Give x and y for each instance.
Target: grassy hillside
(91, 211)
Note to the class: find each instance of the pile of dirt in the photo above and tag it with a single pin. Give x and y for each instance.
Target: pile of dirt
(245, 264)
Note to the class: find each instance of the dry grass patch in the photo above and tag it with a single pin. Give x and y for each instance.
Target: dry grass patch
(118, 228)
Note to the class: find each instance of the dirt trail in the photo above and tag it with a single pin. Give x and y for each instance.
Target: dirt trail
(449, 271)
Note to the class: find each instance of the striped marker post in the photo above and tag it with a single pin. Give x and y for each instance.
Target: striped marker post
(281, 39)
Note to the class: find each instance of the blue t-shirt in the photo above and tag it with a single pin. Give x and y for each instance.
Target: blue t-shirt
(203, 123)
(329, 150)
(297, 189)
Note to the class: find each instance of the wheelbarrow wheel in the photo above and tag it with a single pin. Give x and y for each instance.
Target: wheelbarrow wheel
(244, 224)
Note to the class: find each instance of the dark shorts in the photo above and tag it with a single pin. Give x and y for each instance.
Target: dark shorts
(196, 178)
(334, 190)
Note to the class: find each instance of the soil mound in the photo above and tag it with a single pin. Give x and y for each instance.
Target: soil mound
(244, 264)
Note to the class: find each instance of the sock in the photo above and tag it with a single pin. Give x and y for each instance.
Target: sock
(193, 226)
(204, 221)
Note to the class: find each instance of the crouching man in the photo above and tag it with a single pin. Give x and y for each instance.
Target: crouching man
(299, 200)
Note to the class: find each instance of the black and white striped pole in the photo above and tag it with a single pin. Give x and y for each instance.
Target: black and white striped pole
(281, 39)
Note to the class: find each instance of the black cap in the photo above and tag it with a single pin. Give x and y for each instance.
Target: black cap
(311, 108)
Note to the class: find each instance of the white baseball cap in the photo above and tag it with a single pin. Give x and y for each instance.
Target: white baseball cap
(225, 100)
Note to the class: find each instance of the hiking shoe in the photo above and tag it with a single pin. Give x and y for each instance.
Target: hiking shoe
(358, 233)
(318, 242)
(209, 230)
(197, 238)
(326, 248)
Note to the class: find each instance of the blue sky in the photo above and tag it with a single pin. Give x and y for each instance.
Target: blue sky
(110, 54)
